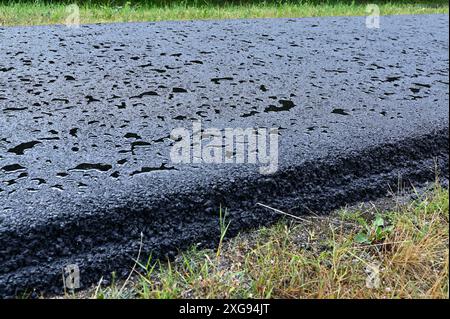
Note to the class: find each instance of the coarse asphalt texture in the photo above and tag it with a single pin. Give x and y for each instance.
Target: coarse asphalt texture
(86, 116)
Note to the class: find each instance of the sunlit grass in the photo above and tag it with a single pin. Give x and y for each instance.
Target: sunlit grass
(38, 13)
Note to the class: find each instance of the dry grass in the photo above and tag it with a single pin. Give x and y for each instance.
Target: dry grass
(340, 256)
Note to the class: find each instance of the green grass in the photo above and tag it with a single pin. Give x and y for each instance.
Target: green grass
(354, 253)
(47, 12)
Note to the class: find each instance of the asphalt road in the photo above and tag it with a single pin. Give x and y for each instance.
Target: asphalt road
(86, 116)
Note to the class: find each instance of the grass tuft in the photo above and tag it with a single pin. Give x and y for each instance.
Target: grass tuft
(406, 255)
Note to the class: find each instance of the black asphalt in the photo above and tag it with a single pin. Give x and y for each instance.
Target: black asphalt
(86, 116)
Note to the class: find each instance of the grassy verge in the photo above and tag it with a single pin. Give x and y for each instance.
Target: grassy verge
(357, 253)
(22, 12)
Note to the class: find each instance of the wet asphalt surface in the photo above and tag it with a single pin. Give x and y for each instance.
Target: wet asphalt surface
(86, 116)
